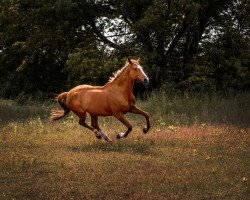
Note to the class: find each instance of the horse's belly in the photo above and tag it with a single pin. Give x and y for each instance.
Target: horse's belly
(96, 104)
(99, 109)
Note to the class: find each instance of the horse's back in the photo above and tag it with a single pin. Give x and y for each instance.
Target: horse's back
(87, 98)
(84, 87)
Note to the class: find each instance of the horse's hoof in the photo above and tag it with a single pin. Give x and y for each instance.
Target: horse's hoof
(98, 136)
(145, 130)
(104, 136)
(120, 135)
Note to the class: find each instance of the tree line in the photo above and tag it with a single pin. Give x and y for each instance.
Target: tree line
(48, 46)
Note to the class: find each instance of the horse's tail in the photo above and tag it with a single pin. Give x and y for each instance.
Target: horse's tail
(58, 114)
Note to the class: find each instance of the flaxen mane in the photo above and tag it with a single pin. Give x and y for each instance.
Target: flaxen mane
(117, 73)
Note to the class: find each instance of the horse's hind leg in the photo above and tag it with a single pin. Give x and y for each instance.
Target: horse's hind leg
(94, 124)
(100, 134)
(97, 132)
(82, 122)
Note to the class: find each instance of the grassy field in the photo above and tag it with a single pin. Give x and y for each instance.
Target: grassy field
(188, 154)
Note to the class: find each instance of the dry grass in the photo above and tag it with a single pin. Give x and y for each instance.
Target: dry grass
(41, 160)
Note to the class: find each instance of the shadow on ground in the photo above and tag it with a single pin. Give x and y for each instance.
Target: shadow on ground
(129, 146)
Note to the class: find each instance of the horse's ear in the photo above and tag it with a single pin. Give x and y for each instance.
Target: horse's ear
(129, 61)
(138, 60)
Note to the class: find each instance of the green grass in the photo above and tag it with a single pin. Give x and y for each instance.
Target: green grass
(180, 158)
(199, 108)
(11, 111)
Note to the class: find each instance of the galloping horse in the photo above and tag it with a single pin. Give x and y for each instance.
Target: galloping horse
(115, 98)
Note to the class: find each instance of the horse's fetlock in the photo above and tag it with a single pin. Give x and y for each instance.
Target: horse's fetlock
(83, 123)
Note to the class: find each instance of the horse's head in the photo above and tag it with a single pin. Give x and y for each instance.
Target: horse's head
(136, 72)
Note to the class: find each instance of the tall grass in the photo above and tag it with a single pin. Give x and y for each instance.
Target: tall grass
(164, 109)
(198, 108)
(11, 111)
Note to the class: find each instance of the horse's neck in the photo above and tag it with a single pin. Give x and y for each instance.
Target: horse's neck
(124, 84)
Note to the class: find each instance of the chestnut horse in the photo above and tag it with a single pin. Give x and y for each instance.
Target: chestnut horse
(115, 98)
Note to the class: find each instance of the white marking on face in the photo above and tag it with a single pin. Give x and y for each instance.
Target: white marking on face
(144, 74)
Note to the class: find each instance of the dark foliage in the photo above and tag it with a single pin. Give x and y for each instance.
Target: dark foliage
(49, 46)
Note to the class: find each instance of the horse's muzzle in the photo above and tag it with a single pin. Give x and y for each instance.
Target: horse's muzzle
(146, 81)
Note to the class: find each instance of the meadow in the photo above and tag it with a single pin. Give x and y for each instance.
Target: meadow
(198, 148)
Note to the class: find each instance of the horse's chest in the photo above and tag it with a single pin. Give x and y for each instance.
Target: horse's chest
(120, 106)
(125, 106)
(120, 103)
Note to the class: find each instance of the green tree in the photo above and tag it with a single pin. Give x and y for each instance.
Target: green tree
(48, 46)
(36, 38)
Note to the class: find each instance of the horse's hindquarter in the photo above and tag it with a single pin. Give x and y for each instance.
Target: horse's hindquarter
(91, 99)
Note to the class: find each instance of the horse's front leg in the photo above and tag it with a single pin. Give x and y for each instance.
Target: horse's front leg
(121, 118)
(137, 110)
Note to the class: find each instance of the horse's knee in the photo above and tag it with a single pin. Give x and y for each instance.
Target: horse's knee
(146, 115)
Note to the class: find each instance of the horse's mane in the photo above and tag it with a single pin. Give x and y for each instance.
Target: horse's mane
(117, 73)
